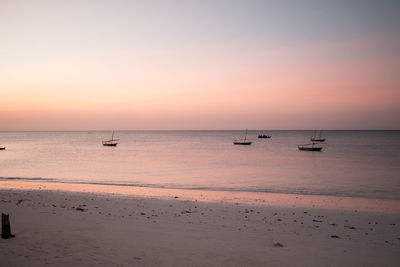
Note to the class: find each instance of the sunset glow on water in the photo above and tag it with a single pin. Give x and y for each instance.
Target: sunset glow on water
(352, 163)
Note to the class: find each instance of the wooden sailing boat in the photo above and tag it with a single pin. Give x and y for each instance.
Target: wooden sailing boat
(309, 147)
(262, 135)
(318, 138)
(111, 142)
(243, 141)
(2, 148)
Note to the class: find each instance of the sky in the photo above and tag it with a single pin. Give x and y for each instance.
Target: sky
(199, 65)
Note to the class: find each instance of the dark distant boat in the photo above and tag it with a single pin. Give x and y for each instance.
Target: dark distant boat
(264, 136)
(244, 141)
(111, 142)
(317, 138)
(2, 148)
(309, 147)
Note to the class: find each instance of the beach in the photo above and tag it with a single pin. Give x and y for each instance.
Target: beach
(200, 133)
(59, 224)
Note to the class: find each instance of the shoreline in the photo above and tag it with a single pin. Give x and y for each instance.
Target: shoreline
(73, 225)
(201, 188)
(249, 198)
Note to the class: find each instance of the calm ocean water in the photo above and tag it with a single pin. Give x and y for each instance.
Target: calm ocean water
(353, 163)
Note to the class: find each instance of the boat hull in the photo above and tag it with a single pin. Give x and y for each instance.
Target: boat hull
(264, 136)
(309, 148)
(318, 139)
(3, 148)
(111, 144)
(242, 143)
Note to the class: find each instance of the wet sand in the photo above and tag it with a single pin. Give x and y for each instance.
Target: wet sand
(89, 225)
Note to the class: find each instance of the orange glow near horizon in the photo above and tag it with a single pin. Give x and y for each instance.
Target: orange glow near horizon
(204, 85)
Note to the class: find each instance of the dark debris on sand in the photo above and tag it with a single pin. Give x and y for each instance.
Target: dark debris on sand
(80, 209)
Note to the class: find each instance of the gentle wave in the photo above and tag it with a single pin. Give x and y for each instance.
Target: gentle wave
(28, 179)
(377, 194)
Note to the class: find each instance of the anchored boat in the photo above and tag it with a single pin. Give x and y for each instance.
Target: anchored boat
(317, 138)
(243, 141)
(309, 147)
(111, 142)
(264, 136)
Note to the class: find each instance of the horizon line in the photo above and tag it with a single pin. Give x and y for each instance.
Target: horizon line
(196, 130)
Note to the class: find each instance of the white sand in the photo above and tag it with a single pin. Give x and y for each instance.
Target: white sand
(141, 229)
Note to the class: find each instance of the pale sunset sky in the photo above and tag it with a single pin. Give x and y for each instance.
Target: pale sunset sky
(181, 65)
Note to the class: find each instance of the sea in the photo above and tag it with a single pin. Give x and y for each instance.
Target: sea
(351, 163)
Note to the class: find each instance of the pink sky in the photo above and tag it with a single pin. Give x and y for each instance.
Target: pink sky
(50, 82)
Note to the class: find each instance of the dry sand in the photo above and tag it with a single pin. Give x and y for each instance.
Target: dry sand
(88, 225)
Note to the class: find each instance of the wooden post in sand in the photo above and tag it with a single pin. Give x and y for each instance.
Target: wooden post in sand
(5, 226)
